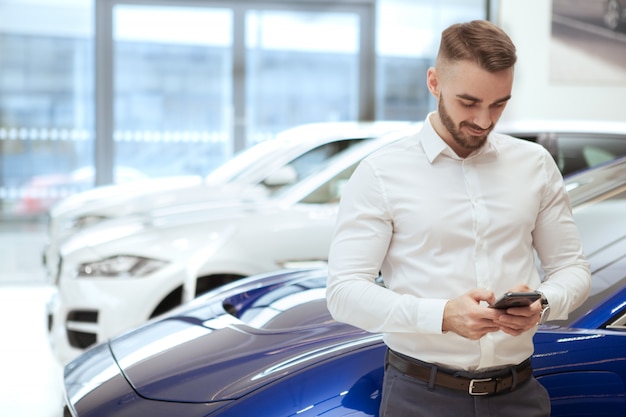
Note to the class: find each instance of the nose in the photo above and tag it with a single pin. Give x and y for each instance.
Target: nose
(482, 119)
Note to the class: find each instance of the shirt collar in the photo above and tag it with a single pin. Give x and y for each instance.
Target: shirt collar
(434, 146)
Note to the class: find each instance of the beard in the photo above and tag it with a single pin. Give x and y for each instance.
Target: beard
(464, 140)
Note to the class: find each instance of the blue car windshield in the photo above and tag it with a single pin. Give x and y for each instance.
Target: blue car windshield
(298, 304)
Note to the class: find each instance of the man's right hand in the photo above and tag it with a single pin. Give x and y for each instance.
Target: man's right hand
(466, 316)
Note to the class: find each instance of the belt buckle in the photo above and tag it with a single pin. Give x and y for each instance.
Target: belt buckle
(477, 380)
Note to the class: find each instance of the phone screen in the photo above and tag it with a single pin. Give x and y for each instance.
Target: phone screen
(516, 299)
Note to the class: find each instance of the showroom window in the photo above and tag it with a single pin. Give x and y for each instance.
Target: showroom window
(193, 82)
(46, 103)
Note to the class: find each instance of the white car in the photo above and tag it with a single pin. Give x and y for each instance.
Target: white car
(255, 173)
(575, 145)
(117, 274)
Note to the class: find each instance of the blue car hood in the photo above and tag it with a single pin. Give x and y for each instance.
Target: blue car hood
(210, 355)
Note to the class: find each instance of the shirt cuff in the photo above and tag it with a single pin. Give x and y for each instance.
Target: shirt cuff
(430, 315)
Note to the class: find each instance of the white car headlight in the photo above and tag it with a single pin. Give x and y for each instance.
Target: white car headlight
(121, 266)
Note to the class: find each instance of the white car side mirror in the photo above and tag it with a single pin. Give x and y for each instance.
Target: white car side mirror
(283, 176)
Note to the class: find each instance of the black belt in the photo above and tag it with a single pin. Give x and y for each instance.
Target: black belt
(508, 380)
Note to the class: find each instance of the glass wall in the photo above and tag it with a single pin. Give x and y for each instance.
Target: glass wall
(46, 103)
(174, 83)
(302, 67)
(192, 85)
(172, 97)
(407, 39)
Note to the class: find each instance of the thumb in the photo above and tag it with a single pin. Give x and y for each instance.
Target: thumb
(481, 294)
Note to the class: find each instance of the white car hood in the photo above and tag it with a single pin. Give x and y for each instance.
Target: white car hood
(182, 231)
(118, 193)
(145, 195)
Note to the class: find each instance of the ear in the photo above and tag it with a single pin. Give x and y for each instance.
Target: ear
(432, 81)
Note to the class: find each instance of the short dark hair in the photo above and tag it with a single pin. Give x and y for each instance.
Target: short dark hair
(479, 41)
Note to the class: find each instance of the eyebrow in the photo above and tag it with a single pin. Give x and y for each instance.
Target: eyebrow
(477, 100)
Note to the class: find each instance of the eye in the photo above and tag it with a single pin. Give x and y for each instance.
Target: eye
(468, 105)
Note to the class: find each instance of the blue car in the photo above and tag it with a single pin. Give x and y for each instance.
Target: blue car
(266, 346)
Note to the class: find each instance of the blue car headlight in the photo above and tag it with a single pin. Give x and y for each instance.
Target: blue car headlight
(120, 266)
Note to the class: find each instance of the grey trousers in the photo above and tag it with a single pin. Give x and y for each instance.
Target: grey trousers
(405, 396)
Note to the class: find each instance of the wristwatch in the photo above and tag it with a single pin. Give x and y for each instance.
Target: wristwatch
(545, 310)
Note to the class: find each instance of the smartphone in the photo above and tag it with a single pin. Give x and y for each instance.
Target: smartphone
(516, 299)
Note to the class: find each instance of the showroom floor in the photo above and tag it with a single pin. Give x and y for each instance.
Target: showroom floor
(31, 379)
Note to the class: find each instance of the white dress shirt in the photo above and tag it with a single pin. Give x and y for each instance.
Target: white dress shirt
(437, 225)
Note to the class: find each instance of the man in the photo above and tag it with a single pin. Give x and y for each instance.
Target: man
(451, 217)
